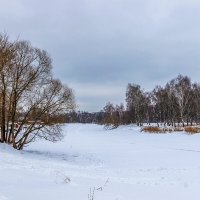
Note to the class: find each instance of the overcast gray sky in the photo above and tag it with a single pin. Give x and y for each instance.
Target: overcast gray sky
(99, 46)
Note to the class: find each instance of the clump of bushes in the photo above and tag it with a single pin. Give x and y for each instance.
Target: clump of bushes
(192, 130)
(152, 129)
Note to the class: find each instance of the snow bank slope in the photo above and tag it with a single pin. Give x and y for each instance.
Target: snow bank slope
(122, 164)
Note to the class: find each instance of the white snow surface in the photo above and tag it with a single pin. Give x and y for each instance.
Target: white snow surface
(119, 164)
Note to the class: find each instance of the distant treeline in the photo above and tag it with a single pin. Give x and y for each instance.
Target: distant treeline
(178, 102)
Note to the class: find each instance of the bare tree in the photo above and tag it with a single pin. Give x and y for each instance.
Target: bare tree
(109, 119)
(181, 88)
(31, 96)
(7, 55)
(137, 103)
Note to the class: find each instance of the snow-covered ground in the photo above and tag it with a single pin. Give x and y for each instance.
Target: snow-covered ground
(121, 164)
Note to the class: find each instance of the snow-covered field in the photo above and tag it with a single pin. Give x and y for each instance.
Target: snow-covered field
(121, 164)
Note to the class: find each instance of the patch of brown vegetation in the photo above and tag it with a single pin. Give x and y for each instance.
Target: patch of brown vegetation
(156, 129)
(192, 129)
(153, 129)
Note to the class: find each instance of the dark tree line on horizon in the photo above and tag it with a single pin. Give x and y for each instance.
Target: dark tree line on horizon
(177, 103)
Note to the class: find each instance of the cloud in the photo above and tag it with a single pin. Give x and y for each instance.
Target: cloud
(99, 46)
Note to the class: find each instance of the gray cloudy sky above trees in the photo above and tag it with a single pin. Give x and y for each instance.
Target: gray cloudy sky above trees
(99, 46)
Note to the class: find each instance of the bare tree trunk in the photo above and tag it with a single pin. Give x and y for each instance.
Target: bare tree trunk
(3, 112)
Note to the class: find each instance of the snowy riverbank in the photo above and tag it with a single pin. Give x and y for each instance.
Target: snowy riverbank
(122, 164)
